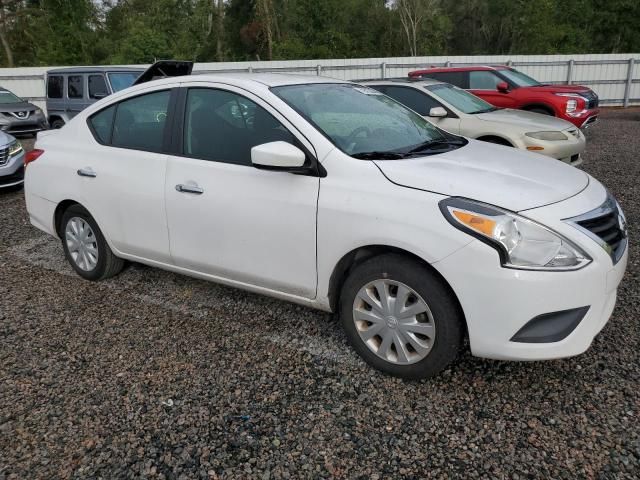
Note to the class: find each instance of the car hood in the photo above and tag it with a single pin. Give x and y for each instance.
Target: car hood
(502, 176)
(533, 122)
(561, 88)
(17, 107)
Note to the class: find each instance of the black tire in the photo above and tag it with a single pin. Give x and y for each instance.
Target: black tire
(447, 316)
(107, 264)
(57, 123)
(542, 111)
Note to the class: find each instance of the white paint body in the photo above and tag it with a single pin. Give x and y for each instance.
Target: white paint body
(283, 234)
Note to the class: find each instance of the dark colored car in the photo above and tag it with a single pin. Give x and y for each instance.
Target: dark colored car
(19, 117)
(71, 90)
(506, 87)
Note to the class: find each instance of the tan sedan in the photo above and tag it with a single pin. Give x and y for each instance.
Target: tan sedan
(460, 112)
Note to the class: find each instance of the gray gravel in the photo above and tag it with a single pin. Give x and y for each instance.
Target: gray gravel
(157, 375)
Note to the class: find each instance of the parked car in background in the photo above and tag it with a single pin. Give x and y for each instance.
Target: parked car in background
(335, 196)
(19, 117)
(506, 87)
(461, 112)
(11, 161)
(71, 90)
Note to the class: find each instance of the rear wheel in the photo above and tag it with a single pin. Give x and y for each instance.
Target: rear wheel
(57, 123)
(400, 317)
(85, 247)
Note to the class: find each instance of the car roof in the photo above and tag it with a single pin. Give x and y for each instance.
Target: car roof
(407, 80)
(100, 69)
(245, 79)
(468, 68)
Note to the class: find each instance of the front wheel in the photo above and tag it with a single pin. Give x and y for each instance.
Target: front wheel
(85, 247)
(400, 317)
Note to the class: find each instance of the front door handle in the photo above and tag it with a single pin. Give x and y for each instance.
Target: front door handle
(87, 172)
(189, 189)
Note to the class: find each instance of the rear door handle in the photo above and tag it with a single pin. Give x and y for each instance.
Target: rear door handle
(87, 172)
(189, 189)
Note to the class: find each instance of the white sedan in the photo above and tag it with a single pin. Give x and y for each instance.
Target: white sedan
(334, 196)
(461, 112)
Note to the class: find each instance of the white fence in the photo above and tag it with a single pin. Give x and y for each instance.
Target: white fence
(614, 77)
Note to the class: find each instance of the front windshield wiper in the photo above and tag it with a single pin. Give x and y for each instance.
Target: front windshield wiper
(429, 145)
(379, 155)
(486, 110)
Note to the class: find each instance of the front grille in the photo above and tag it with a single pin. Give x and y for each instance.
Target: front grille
(592, 99)
(607, 226)
(4, 156)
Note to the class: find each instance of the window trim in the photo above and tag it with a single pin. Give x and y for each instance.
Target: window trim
(314, 168)
(168, 126)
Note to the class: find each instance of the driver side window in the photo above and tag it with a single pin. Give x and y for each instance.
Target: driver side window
(223, 126)
(483, 80)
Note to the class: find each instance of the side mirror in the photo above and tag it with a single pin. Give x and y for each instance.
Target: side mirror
(277, 156)
(99, 95)
(502, 87)
(437, 112)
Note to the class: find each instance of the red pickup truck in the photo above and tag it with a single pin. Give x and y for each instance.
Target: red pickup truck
(506, 87)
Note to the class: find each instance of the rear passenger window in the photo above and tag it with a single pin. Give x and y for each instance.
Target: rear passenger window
(223, 126)
(140, 122)
(55, 86)
(97, 86)
(74, 89)
(459, 79)
(101, 124)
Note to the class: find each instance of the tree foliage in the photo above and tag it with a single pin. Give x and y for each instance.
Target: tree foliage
(72, 32)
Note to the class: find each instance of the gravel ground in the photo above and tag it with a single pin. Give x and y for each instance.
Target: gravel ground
(153, 374)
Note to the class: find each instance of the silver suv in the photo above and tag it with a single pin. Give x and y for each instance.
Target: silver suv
(71, 90)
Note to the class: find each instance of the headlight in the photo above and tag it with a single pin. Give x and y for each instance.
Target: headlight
(15, 148)
(521, 243)
(572, 105)
(549, 136)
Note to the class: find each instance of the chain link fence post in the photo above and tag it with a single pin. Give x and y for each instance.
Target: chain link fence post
(383, 70)
(570, 72)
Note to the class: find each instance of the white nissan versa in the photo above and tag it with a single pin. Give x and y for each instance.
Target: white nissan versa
(335, 196)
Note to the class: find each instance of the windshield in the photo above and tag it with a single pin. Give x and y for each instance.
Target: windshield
(8, 97)
(460, 99)
(121, 80)
(360, 120)
(519, 78)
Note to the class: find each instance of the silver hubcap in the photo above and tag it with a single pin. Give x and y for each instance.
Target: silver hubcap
(394, 322)
(81, 243)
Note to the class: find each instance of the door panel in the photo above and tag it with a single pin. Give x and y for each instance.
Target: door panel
(227, 218)
(126, 190)
(248, 225)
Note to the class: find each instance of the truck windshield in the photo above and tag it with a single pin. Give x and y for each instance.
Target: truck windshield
(121, 80)
(519, 78)
(363, 122)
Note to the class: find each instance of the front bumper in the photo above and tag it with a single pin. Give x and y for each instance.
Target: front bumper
(568, 151)
(498, 302)
(12, 173)
(582, 119)
(15, 126)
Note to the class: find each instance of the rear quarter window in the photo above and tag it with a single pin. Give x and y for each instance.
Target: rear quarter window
(101, 124)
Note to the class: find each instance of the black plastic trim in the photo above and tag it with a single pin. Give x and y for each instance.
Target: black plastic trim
(550, 327)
